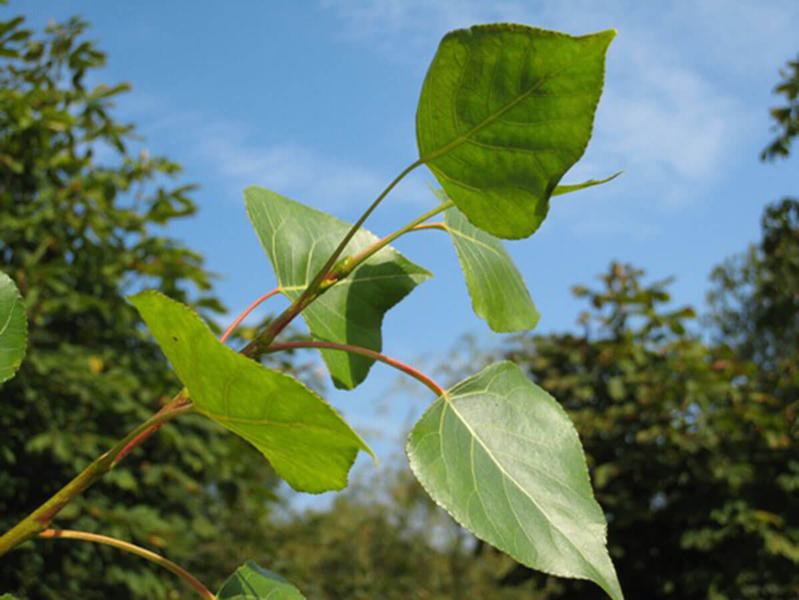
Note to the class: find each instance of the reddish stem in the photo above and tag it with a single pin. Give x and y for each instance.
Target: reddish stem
(246, 312)
(393, 362)
(167, 564)
(136, 441)
(177, 403)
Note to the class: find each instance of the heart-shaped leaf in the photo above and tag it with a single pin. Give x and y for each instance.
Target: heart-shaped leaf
(298, 241)
(304, 438)
(495, 285)
(13, 328)
(503, 458)
(251, 582)
(505, 111)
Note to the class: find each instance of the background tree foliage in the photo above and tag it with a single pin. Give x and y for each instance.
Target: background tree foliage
(80, 229)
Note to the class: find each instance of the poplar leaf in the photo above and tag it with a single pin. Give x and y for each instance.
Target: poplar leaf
(304, 438)
(505, 111)
(13, 328)
(298, 240)
(503, 458)
(251, 582)
(498, 293)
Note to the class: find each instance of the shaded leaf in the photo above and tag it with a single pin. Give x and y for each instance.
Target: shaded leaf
(503, 458)
(495, 285)
(251, 582)
(13, 328)
(298, 241)
(303, 437)
(576, 187)
(505, 111)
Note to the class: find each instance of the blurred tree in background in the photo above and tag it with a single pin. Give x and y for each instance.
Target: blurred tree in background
(692, 448)
(79, 229)
(786, 117)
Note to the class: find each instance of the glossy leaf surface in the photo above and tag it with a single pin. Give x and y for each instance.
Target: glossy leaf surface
(13, 328)
(304, 438)
(503, 458)
(495, 285)
(505, 111)
(298, 240)
(251, 582)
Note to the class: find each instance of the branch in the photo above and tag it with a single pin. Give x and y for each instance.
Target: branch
(352, 263)
(40, 518)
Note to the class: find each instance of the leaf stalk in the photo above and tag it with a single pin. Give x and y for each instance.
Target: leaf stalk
(392, 362)
(174, 568)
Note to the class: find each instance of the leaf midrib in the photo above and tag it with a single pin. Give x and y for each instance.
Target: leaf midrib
(449, 403)
(463, 138)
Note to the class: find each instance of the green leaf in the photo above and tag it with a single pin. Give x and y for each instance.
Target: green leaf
(576, 187)
(306, 441)
(251, 582)
(298, 241)
(13, 328)
(495, 285)
(503, 458)
(8, 597)
(505, 111)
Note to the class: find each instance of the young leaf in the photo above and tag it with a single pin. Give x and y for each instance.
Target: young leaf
(298, 240)
(576, 187)
(503, 458)
(495, 285)
(303, 437)
(505, 111)
(251, 582)
(13, 328)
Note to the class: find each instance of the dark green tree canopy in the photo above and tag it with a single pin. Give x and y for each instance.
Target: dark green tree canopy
(786, 116)
(81, 213)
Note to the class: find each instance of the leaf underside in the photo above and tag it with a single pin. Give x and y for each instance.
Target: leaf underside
(298, 240)
(503, 458)
(505, 111)
(304, 438)
(251, 582)
(13, 328)
(498, 293)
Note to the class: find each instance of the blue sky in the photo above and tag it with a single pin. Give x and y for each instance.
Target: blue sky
(316, 100)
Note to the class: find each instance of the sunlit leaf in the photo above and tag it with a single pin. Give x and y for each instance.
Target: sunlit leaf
(298, 241)
(495, 285)
(503, 458)
(504, 112)
(13, 328)
(306, 441)
(251, 582)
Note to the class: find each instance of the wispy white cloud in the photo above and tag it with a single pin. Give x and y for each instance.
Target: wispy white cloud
(232, 159)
